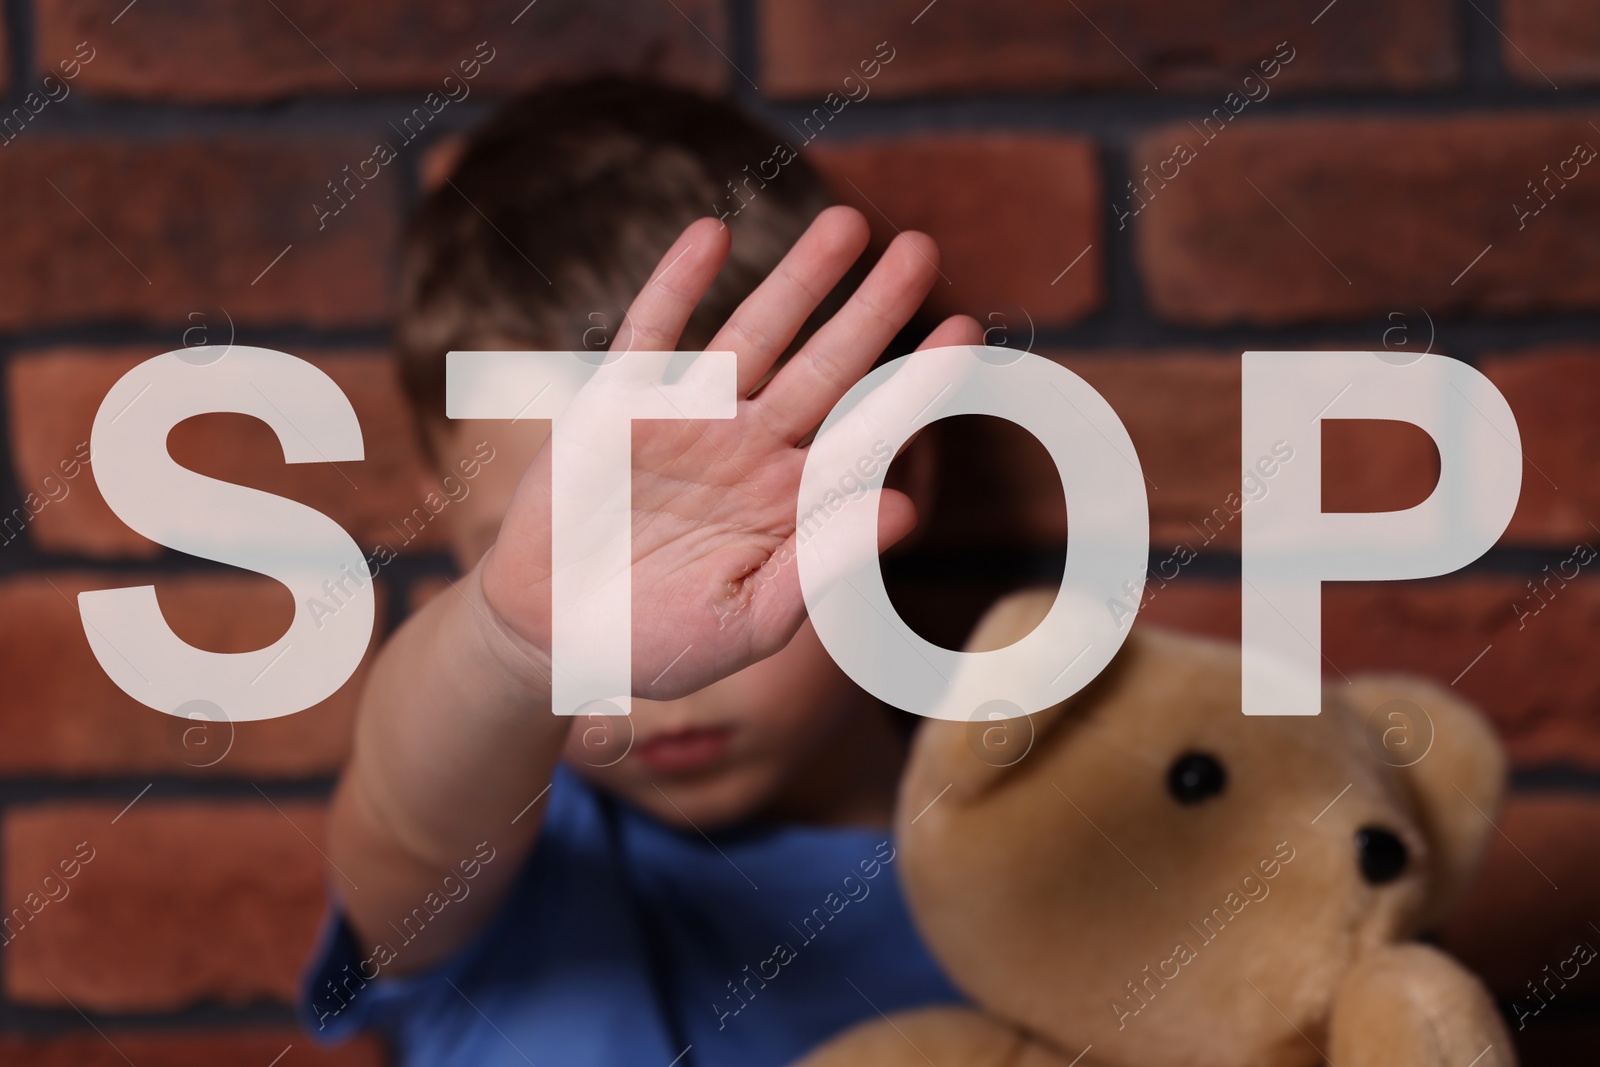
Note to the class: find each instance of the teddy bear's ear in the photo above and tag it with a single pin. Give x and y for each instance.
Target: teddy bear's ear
(1452, 765)
(970, 757)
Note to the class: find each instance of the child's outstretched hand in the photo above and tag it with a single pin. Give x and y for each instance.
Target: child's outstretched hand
(714, 500)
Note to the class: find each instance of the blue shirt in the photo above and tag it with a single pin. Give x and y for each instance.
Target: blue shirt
(624, 941)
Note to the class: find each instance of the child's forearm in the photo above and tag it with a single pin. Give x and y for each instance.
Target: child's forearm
(454, 738)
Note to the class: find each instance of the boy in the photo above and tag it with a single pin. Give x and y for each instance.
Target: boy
(710, 880)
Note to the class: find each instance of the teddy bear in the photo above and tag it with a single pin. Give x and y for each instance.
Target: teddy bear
(1148, 878)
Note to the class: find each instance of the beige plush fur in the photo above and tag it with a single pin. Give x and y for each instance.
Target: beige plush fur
(1086, 912)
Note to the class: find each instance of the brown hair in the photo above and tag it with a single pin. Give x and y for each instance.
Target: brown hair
(561, 205)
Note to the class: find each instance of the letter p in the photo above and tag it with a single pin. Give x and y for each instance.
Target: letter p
(1291, 546)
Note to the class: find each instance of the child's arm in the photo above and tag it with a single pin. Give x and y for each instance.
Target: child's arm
(454, 735)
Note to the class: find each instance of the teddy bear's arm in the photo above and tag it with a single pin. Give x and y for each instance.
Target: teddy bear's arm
(1411, 1005)
(943, 1036)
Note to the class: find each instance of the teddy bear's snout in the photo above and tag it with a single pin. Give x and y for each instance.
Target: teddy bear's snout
(1383, 855)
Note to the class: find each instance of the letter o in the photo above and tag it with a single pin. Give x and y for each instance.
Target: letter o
(1106, 558)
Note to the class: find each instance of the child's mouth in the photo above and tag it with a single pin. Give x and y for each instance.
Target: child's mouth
(685, 751)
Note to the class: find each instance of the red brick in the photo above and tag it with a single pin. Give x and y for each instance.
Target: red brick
(54, 395)
(1535, 900)
(182, 903)
(1376, 465)
(1027, 208)
(1181, 408)
(1540, 683)
(63, 715)
(1551, 41)
(1554, 393)
(1400, 208)
(187, 1048)
(999, 486)
(808, 46)
(1539, 686)
(172, 50)
(199, 222)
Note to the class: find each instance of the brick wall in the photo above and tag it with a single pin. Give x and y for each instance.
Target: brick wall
(1364, 201)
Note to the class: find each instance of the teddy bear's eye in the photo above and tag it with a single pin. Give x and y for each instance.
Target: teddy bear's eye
(1383, 855)
(1196, 776)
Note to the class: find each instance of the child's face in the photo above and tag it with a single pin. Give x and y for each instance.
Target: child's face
(714, 757)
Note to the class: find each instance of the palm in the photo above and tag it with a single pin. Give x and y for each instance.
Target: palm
(714, 586)
(710, 513)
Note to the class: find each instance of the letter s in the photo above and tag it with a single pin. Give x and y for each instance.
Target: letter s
(227, 523)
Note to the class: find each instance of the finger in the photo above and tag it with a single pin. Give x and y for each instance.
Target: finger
(844, 349)
(847, 546)
(837, 540)
(769, 318)
(956, 330)
(886, 416)
(843, 515)
(657, 316)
